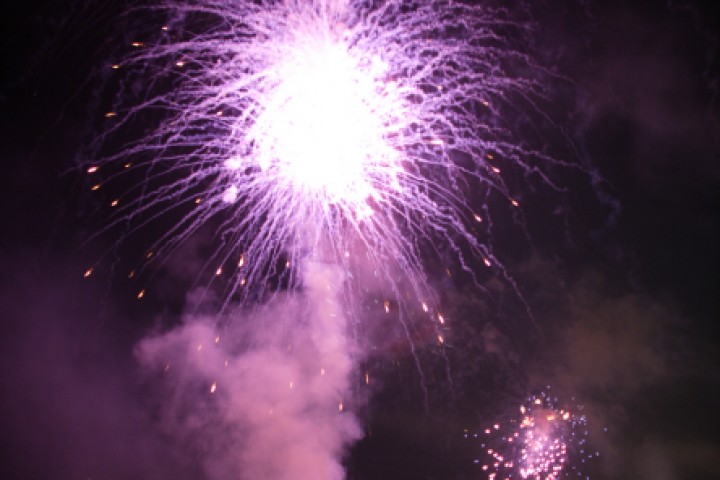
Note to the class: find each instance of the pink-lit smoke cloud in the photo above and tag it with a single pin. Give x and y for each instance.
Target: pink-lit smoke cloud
(264, 397)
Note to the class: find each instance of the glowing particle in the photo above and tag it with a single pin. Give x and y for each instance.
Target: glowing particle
(230, 194)
(514, 203)
(213, 387)
(340, 407)
(386, 304)
(93, 169)
(441, 319)
(95, 187)
(110, 114)
(115, 202)
(180, 63)
(218, 272)
(88, 272)
(233, 163)
(140, 294)
(137, 44)
(477, 218)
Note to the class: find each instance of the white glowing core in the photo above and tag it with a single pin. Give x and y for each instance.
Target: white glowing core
(323, 125)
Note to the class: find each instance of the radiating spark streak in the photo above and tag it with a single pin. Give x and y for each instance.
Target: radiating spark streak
(324, 123)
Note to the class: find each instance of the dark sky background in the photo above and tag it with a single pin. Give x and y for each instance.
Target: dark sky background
(622, 277)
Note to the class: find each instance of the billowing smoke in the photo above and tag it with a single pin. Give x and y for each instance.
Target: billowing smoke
(263, 398)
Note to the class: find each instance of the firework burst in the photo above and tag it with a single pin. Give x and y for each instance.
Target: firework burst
(365, 135)
(544, 442)
(319, 128)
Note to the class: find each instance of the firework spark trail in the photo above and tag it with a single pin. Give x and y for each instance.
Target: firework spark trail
(544, 442)
(324, 123)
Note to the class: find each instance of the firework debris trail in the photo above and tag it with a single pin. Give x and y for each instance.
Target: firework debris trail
(320, 133)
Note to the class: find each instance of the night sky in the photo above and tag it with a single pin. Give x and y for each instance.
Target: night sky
(620, 272)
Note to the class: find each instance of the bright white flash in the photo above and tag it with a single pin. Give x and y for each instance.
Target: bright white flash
(323, 127)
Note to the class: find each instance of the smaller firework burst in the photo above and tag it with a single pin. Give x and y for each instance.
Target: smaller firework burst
(546, 441)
